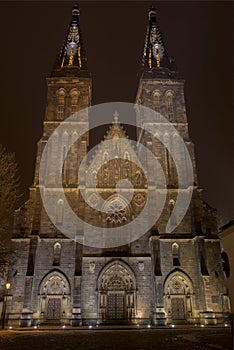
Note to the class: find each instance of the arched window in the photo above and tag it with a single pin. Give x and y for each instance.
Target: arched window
(225, 262)
(105, 157)
(59, 218)
(175, 254)
(60, 103)
(172, 215)
(116, 212)
(169, 104)
(52, 158)
(74, 100)
(126, 165)
(126, 156)
(204, 270)
(64, 146)
(64, 153)
(57, 254)
(94, 175)
(138, 177)
(156, 100)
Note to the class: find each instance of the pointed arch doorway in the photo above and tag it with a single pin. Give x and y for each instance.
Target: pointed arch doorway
(116, 294)
(178, 297)
(54, 297)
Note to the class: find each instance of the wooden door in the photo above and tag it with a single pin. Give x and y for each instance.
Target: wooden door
(177, 309)
(54, 309)
(116, 308)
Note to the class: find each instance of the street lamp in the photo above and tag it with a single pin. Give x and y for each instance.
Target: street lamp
(7, 287)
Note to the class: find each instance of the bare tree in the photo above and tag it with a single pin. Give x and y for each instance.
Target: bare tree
(9, 196)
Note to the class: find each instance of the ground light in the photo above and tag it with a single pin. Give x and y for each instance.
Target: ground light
(3, 315)
(63, 326)
(202, 325)
(10, 327)
(90, 326)
(149, 326)
(173, 326)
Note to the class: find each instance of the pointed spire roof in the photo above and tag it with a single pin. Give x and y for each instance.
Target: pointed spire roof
(71, 59)
(116, 130)
(155, 53)
(154, 50)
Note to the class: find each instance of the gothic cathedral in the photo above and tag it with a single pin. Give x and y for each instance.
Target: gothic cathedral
(160, 278)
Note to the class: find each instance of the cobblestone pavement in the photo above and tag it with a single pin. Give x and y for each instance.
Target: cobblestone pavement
(109, 339)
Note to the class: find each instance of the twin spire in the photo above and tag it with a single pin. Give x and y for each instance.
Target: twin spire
(154, 51)
(72, 53)
(72, 60)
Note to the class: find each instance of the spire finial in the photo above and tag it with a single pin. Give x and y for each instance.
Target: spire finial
(151, 10)
(75, 10)
(116, 117)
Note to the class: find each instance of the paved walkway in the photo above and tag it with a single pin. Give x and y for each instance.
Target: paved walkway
(179, 338)
(47, 327)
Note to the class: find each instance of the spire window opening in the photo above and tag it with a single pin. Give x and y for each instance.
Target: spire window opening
(64, 152)
(59, 218)
(156, 101)
(169, 104)
(173, 220)
(57, 254)
(74, 101)
(126, 156)
(204, 270)
(176, 254)
(60, 103)
(64, 163)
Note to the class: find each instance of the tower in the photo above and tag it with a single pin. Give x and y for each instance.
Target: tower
(160, 278)
(162, 89)
(68, 91)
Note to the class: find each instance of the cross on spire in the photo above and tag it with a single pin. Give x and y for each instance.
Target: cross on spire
(116, 117)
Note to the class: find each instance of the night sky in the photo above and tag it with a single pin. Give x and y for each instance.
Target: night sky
(198, 34)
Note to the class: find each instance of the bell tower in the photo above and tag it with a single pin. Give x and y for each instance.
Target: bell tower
(161, 88)
(68, 91)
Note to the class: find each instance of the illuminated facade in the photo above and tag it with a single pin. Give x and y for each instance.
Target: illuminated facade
(160, 278)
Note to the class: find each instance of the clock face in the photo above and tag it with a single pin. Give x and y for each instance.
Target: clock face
(71, 49)
(158, 50)
(72, 41)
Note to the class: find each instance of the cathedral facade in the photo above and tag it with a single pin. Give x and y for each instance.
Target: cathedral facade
(161, 278)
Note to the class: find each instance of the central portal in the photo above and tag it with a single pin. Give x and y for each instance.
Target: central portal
(116, 294)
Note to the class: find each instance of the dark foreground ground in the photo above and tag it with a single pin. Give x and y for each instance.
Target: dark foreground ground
(141, 339)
